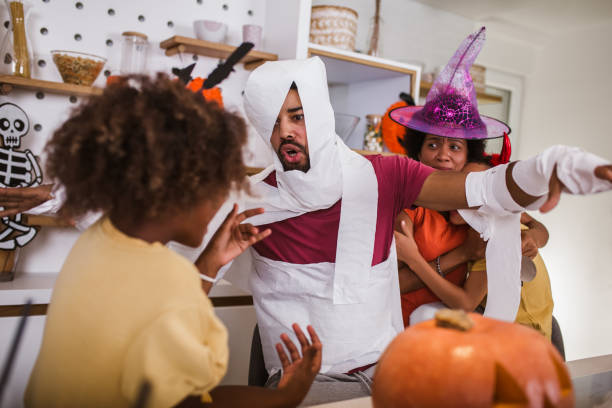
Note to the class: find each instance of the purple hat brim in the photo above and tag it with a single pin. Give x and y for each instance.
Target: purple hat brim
(408, 116)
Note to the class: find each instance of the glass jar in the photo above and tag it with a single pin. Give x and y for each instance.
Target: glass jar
(16, 50)
(134, 49)
(373, 137)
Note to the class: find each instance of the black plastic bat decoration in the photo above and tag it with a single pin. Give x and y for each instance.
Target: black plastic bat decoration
(225, 68)
(184, 74)
(222, 70)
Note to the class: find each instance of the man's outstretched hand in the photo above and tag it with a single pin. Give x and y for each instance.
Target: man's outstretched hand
(604, 172)
(556, 187)
(15, 200)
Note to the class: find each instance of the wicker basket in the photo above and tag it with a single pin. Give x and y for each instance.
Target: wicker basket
(334, 26)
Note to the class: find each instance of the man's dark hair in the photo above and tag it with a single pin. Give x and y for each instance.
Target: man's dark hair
(144, 147)
(413, 143)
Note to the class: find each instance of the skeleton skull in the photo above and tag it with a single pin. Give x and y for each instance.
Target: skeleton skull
(14, 124)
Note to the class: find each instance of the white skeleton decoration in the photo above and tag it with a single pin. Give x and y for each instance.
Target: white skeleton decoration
(17, 169)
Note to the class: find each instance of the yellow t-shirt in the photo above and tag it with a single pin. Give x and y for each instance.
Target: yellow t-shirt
(123, 311)
(536, 307)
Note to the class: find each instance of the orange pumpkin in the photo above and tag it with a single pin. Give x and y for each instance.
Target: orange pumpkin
(491, 364)
(391, 131)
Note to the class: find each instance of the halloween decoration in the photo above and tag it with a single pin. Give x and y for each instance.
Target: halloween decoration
(504, 155)
(225, 68)
(393, 133)
(19, 169)
(467, 360)
(208, 86)
(184, 74)
(451, 108)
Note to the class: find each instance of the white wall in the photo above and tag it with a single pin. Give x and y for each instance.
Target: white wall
(568, 101)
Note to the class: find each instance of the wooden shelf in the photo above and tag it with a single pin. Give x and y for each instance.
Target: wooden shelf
(353, 67)
(46, 221)
(178, 44)
(369, 153)
(8, 82)
(482, 97)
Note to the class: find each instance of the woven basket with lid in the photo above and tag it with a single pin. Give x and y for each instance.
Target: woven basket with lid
(335, 26)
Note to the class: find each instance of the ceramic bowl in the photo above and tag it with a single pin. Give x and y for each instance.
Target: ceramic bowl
(208, 30)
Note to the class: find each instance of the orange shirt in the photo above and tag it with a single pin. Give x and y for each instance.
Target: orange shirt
(434, 236)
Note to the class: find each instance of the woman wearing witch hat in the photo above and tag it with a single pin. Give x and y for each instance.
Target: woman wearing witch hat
(446, 134)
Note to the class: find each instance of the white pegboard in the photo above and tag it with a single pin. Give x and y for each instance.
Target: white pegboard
(99, 25)
(56, 24)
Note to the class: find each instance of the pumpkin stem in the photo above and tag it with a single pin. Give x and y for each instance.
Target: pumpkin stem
(454, 319)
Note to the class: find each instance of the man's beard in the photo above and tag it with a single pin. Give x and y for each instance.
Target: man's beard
(305, 166)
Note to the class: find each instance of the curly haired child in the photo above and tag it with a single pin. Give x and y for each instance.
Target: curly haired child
(157, 160)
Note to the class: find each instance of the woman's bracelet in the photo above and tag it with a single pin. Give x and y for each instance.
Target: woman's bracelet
(438, 268)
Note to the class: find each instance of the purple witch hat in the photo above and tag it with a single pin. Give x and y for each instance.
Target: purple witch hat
(451, 109)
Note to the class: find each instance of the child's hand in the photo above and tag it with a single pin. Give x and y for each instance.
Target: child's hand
(455, 218)
(233, 238)
(529, 247)
(300, 371)
(474, 246)
(407, 249)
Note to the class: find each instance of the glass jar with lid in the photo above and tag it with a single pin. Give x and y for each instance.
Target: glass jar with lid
(134, 49)
(16, 50)
(373, 137)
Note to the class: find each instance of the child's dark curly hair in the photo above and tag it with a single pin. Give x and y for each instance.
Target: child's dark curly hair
(144, 147)
(413, 142)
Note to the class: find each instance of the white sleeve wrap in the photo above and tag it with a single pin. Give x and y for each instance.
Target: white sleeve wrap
(498, 217)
